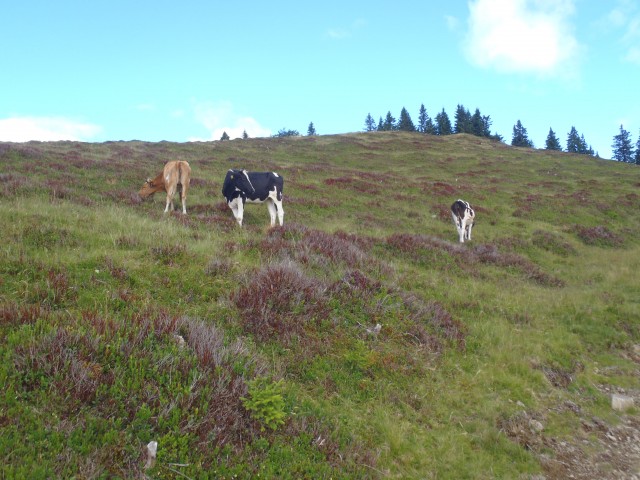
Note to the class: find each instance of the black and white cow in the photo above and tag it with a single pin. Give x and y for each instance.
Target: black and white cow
(463, 218)
(241, 186)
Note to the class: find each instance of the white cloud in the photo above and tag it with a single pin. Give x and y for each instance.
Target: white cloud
(341, 33)
(46, 129)
(527, 36)
(452, 22)
(633, 55)
(219, 117)
(625, 16)
(338, 33)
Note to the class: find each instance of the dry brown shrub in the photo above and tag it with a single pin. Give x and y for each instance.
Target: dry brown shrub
(279, 302)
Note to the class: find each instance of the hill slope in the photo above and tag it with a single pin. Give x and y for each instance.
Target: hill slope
(253, 351)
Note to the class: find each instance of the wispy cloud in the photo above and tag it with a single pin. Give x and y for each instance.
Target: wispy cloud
(345, 32)
(452, 22)
(626, 17)
(522, 36)
(219, 117)
(46, 129)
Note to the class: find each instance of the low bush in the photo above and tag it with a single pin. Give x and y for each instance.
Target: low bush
(280, 302)
(598, 236)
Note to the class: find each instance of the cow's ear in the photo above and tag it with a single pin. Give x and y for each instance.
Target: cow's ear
(149, 182)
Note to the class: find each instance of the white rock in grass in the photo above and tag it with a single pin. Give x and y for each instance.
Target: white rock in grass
(151, 451)
(621, 402)
(374, 330)
(535, 425)
(179, 340)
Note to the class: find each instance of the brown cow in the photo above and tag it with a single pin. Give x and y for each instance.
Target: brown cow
(174, 177)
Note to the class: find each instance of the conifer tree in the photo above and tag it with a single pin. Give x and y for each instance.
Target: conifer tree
(389, 123)
(638, 150)
(443, 124)
(486, 132)
(520, 137)
(244, 135)
(422, 119)
(478, 127)
(369, 123)
(311, 130)
(405, 123)
(463, 120)
(573, 141)
(622, 147)
(430, 128)
(380, 125)
(584, 148)
(552, 142)
(225, 136)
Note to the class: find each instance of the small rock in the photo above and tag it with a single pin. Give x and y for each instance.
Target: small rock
(179, 340)
(374, 330)
(151, 451)
(572, 406)
(621, 402)
(535, 425)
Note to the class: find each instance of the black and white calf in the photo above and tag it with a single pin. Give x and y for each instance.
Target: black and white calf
(463, 218)
(241, 186)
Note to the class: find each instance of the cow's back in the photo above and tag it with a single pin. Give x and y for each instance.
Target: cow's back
(177, 172)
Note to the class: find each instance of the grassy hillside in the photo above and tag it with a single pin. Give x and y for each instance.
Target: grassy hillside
(247, 353)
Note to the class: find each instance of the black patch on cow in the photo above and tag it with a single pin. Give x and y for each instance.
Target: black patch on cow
(236, 185)
(458, 208)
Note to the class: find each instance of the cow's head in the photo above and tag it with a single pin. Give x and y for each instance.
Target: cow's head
(237, 181)
(147, 189)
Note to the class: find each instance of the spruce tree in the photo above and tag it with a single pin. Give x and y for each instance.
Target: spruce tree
(225, 136)
(520, 137)
(423, 118)
(552, 142)
(405, 123)
(380, 125)
(638, 150)
(311, 130)
(430, 128)
(369, 123)
(389, 123)
(622, 147)
(463, 120)
(573, 141)
(486, 132)
(478, 126)
(443, 124)
(245, 135)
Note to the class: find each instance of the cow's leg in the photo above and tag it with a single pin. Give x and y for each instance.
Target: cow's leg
(183, 194)
(278, 204)
(469, 231)
(237, 207)
(272, 211)
(457, 223)
(240, 211)
(170, 193)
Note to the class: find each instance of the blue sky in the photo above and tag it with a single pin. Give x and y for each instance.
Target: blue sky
(181, 71)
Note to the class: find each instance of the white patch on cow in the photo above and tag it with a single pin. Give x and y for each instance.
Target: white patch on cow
(464, 223)
(238, 209)
(246, 174)
(275, 174)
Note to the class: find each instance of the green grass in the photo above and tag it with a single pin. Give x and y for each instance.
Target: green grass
(540, 308)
